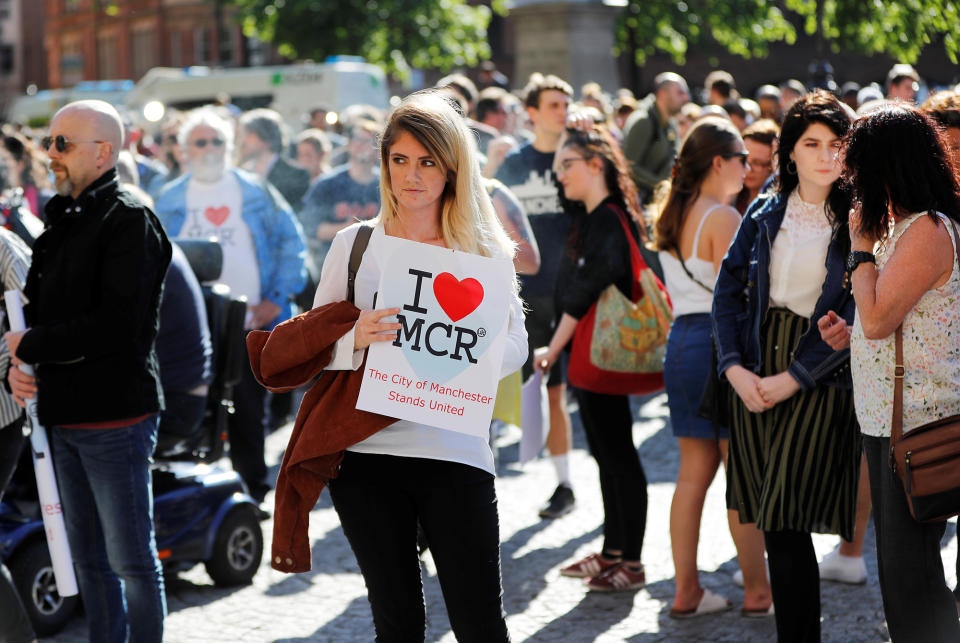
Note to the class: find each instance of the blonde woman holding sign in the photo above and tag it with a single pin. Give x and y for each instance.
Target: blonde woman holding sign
(431, 192)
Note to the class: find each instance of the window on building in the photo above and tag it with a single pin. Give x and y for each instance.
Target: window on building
(6, 59)
(143, 43)
(176, 48)
(108, 55)
(201, 45)
(71, 63)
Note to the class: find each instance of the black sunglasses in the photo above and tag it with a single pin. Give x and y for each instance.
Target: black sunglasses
(741, 155)
(61, 142)
(202, 142)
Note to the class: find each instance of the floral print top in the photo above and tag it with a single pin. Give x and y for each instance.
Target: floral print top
(931, 354)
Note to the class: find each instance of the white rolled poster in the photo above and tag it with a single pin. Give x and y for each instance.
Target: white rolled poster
(43, 468)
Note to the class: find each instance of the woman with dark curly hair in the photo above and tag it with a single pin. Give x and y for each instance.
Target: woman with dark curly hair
(593, 172)
(904, 276)
(794, 453)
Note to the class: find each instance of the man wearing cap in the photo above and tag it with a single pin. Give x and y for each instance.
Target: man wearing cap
(94, 297)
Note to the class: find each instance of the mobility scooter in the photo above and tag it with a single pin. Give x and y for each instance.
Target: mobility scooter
(202, 512)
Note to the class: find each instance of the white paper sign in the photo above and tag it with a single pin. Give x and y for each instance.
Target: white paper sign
(47, 490)
(444, 366)
(535, 417)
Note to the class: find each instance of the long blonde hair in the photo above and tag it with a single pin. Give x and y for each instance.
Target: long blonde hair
(468, 221)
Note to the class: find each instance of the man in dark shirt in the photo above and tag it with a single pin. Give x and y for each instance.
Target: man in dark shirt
(345, 194)
(528, 172)
(261, 143)
(184, 352)
(94, 295)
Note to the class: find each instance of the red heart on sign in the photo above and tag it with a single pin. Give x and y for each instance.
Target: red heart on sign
(457, 298)
(217, 216)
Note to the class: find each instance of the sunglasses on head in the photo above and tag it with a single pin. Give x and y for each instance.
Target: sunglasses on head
(202, 142)
(60, 142)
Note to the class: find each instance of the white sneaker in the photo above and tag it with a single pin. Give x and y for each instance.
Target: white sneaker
(843, 569)
(738, 575)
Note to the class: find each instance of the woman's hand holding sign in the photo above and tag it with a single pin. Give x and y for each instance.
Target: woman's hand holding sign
(370, 329)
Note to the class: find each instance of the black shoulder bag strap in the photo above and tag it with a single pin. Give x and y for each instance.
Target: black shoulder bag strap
(356, 256)
(683, 264)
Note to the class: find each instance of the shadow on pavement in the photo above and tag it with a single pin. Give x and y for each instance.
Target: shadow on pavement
(343, 627)
(596, 614)
(323, 563)
(517, 596)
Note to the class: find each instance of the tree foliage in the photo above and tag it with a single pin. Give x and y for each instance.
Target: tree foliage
(396, 34)
(744, 27)
(898, 28)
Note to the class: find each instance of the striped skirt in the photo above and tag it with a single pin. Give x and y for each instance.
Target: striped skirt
(795, 466)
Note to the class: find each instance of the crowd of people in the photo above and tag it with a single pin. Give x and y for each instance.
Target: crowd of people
(794, 234)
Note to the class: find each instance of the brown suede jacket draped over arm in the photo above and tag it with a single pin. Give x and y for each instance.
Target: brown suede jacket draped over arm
(289, 356)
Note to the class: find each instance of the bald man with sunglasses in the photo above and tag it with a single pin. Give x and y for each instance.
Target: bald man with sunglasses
(93, 293)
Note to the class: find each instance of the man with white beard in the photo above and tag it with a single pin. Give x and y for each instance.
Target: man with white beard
(263, 258)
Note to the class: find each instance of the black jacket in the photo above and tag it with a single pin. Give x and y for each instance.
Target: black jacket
(597, 254)
(292, 181)
(93, 294)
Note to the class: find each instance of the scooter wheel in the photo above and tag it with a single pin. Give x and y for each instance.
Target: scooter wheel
(33, 577)
(237, 549)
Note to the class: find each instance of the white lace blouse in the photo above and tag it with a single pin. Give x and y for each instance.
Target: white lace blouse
(798, 262)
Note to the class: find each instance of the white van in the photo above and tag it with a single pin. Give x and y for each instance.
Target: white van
(36, 110)
(291, 90)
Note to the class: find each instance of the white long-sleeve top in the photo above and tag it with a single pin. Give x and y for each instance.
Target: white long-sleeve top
(405, 438)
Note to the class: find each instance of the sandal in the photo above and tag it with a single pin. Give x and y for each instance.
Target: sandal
(757, 613)
(710, 603)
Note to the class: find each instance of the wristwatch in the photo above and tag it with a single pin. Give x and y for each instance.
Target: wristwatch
(858, 257)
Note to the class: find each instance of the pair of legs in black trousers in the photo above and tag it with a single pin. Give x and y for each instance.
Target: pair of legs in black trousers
(795, 584)
(246, 431)
(608, 424)
(380, 499)
(917, 603)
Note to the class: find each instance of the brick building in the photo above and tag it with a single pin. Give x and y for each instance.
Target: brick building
(113, 39)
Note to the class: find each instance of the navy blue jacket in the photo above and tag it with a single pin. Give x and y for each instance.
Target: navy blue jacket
(742, 297)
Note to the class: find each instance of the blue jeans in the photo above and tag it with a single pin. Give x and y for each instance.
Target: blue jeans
(104, 480)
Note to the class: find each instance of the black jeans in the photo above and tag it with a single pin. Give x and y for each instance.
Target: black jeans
(795, 584)
(380, 499)
(608, 424)
(16, 626)
(246, 431)
(916, 600)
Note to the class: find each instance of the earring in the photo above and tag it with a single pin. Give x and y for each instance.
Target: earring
(791, 171)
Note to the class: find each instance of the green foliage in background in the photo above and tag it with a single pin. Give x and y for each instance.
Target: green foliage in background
(744, 27)
(899, 28)
(395, 34)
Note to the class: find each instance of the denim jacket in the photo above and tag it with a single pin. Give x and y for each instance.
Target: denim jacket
(277, 236)
(742, 298)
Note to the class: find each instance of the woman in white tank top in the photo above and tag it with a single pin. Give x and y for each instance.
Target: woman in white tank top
(692, 233)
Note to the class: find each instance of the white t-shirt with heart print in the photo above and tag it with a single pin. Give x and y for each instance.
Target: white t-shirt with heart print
(215, 210)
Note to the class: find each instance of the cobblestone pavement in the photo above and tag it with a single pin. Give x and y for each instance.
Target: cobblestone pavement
(329, 603)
